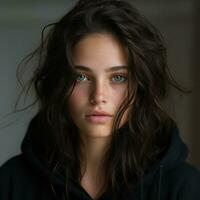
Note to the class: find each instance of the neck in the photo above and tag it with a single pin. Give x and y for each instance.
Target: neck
(93, 179)
(94, 152)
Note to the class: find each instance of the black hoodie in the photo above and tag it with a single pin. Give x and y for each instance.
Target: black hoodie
(24, 177)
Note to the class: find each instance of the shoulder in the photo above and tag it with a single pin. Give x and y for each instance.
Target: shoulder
(12, 175)
(18, 179)
(13, 167)
(12, 162)
(186, 181)
(186, 171)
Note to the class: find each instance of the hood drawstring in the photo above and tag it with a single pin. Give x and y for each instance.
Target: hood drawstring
(160, 182)
(56, 195)
(54, 192)
(159, 185)
(141, 189)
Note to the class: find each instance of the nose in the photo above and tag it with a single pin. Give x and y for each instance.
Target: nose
(98, 93)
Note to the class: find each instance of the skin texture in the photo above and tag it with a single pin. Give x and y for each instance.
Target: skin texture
(107, 90)
(99, 52)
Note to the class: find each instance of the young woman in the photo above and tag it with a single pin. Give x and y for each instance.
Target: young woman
(101, 131)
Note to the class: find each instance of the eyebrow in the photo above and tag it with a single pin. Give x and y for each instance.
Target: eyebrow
(114, 68)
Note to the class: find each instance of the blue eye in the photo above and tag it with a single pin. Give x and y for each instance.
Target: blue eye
(81, 77)
(120, 78)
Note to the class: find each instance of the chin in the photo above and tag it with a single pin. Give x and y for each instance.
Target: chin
(98, 132)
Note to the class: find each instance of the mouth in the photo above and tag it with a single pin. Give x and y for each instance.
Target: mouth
(98, 117)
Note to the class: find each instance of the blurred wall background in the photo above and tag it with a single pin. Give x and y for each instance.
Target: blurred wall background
(21, 23)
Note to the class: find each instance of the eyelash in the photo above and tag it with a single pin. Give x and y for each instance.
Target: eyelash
(125, 78)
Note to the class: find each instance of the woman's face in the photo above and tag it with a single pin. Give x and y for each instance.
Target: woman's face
(101, 63)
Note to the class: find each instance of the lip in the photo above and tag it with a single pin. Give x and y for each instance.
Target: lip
(98, 117)
(99, 113)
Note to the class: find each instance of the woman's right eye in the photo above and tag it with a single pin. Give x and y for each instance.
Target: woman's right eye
(81, 77)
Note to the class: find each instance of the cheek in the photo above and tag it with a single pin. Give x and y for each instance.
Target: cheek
(77, 99)
(119, 96)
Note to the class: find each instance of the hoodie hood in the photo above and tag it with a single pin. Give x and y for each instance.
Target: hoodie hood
(176, 153)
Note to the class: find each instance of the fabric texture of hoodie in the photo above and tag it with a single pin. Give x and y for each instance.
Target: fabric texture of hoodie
(25, 177)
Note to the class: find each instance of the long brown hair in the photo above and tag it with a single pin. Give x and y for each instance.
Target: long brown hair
(141, 141)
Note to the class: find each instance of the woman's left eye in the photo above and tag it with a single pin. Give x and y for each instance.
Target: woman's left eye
(119, 78)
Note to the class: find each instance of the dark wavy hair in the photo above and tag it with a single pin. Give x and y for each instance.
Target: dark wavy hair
(144, 138)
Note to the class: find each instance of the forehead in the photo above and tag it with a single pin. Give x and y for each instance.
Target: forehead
(109, 69)
(99, 51)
